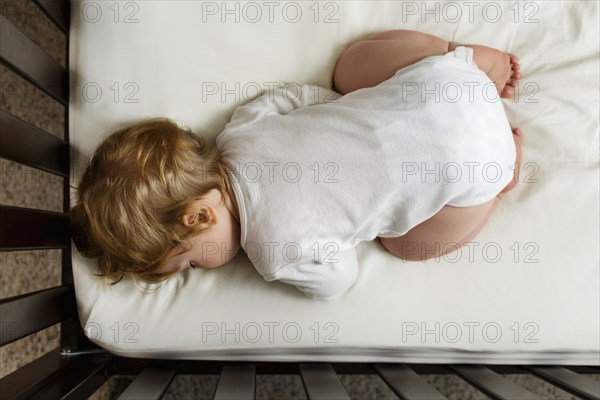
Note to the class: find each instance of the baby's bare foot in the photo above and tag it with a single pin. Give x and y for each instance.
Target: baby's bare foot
(513, 79)
(502, 68)
(517, 138)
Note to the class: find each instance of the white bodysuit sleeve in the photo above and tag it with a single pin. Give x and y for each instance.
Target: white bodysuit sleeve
(281, 100)
(321, 281)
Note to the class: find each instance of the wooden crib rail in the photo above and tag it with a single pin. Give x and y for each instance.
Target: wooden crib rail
(29, 313)
(55, 377)
(31, 229)
(30, 145)
(30, 61)
(58, 11)
(21, 142)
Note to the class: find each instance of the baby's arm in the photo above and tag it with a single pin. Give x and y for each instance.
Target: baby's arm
(322, 281)
(280, 100)
(286, 98)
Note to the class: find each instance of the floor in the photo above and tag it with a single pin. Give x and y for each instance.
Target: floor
(23, 272)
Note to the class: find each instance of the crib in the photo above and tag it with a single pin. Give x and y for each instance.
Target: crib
(79, 367)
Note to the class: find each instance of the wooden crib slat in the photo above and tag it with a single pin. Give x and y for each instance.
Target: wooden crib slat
(33, 376)
(79, 380)
(236, 382)
(492, 384)
(29, 313)
(26, 144)
(32, 62)
(406, 383)
(57, 10)
(150, 384)
(568, 380)
(29, 229)
(52, 376)
(322, 382)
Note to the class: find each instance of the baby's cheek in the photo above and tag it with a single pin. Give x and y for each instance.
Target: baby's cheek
(219, 252)
(230, 252)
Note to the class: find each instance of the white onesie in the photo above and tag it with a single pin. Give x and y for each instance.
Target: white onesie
(315, 173)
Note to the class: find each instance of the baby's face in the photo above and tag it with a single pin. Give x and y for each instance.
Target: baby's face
(211, 248)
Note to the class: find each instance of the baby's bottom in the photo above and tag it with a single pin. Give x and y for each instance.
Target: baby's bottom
(375, 59)
(443, 233)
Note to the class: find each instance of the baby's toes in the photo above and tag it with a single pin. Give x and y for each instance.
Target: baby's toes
(515, 71)
(509, 91)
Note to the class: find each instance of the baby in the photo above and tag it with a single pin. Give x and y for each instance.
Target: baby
(414, 152)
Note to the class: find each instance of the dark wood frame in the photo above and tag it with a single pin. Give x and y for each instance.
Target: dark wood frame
(79, 367)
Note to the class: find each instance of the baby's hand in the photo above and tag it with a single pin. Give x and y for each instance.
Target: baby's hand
(513, 183)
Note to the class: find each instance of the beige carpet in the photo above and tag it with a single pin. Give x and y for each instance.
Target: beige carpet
(23, 272)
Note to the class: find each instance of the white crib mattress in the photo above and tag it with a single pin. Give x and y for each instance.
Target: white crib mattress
(526, 290)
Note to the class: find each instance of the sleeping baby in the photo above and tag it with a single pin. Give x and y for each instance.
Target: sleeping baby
(413, 149)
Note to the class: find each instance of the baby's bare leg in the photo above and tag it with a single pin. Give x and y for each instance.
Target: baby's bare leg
(414, 36)
(376, 58)
(445, 232)
(368, 63)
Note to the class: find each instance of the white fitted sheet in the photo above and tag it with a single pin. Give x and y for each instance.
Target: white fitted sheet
(537, 301)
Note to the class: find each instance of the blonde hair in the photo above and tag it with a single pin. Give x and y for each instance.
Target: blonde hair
(139, 183)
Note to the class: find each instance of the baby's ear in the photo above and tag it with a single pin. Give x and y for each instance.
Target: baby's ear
(199, 216)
